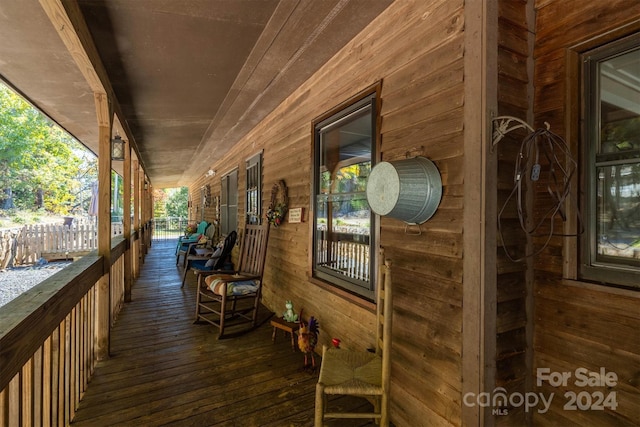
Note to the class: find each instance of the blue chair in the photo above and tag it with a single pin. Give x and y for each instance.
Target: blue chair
(215, 262)
(184, 241)
(211, 234)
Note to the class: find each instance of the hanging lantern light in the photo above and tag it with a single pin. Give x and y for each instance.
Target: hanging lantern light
(117, 148)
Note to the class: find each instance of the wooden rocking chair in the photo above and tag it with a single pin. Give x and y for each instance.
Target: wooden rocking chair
(364, 374)
(235, 297)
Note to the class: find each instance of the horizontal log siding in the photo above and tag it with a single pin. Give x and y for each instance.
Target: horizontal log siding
(511, 281)
(577, 324)
(416, 50)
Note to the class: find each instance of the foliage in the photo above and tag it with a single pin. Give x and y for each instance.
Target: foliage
(160, 196)
(117, 197)
(275, 214)
(170, 202)
(176, 202)
(39, 162)
(86, 175)
(350, 180)
(622, 134)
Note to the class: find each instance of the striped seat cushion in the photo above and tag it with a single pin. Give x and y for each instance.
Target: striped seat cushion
(243, 287)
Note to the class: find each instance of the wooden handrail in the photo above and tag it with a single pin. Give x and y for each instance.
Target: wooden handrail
(118, 247)
(47, 339)
(28, 320)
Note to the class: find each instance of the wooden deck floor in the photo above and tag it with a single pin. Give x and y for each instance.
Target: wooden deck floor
(165, 370)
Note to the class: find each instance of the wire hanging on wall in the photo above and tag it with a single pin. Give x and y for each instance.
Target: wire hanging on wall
(543, 156)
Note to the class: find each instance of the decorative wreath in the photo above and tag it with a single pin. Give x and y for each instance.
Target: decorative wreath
(279, 204)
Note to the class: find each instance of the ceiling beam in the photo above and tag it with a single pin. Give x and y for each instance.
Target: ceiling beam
(69, 22)
(62, 23)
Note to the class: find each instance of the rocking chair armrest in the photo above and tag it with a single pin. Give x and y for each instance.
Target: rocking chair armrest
(200, 257)
(198, 244)
(186, 239)
(210, 272)
(239, 277)
(187, 246)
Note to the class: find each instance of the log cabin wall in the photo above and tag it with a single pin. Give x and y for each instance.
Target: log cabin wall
(199, 210)
(415, 49)
(514, 279)
(579, 324)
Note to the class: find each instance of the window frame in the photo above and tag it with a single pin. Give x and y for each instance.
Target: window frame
(229, 202)
(253, 187)
(604, 271)
(369, 98)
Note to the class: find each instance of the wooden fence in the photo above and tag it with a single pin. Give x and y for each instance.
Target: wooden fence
(30, 243)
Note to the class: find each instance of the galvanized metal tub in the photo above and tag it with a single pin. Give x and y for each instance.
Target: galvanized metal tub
(409, 190)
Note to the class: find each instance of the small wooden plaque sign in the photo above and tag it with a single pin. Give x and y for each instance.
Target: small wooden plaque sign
(295, 215)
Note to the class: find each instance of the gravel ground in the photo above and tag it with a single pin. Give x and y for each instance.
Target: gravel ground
(16, 280)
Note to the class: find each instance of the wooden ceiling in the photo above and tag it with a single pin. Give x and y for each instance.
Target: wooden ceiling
(189, 77)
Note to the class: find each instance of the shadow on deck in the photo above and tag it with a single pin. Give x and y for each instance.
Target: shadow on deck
(166, 370)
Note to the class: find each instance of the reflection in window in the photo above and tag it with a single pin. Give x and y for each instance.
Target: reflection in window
(343, 225)
(613, 74)
(229, 203)
(253, 200)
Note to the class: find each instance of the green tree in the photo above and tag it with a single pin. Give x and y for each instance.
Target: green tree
(85, 176)
(39, 162)
(160, 197)
(176, 203)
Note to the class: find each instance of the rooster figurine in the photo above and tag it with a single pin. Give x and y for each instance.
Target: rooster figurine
(307, 340)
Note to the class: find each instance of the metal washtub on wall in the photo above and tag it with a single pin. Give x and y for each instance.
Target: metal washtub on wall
(409, 190)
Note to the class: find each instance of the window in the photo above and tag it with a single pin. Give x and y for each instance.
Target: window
(344, 147)
(611, 247)
(229, 203)
(253, 200)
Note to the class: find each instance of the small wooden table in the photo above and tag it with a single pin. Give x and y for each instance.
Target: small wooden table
(287, 327)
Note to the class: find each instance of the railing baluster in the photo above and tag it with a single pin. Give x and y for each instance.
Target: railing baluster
(46, 381)
(350, 258)
(46, 387)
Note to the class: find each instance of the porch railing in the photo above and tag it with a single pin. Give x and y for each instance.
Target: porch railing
(169, 228)
(48, 341)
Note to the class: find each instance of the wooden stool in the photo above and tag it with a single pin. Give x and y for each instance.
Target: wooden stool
(290, 327)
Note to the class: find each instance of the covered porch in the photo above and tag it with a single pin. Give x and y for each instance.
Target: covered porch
(165, 370)
(232, 97)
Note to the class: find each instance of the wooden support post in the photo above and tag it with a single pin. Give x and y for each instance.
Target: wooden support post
(135, 255)
(104, 225)
(143, 231)
(149, 216)
(146, 199)
(126, 221)
(479, 279)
